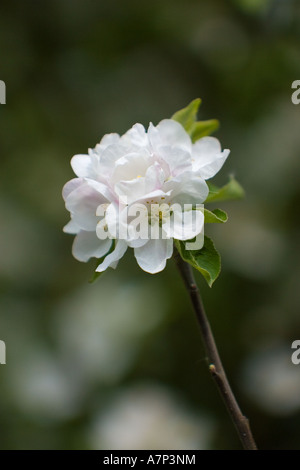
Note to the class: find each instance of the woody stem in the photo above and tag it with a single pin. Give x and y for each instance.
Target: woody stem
(216, 369)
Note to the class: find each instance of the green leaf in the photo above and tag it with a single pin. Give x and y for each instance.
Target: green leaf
(206, 260)
(188, 116)
(203, 128)
(232, 190)
(217, 216)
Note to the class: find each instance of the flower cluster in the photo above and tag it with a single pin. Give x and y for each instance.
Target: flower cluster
(158, 173)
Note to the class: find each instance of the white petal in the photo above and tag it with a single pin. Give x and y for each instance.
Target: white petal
(169, 133)
(178, 160)
(83, 203)
(136, 221)
(100, 188)
(112, 259)
(133, 225)
(184, 225)
(187, 188)
(109, 158)
(136, 137)
(107, 139)
(87, 245)
(137, 243)
(152, 257)
(131, 166)
(71, 227)
(112, 219)
(85, 166)
(156, 196)
(208, 157)
(131, 190)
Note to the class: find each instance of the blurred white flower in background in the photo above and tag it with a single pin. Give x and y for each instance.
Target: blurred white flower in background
(42, 388)
(272, 380)
(99, 332)
(96, 338)
(149, 417)
(36, 380)
(265, 251)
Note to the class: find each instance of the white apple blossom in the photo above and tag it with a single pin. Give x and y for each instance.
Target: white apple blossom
(146, 178)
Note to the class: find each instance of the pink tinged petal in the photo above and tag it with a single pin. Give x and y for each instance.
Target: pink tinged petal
(83, 203)
(71, 185)
(163, 164)
(100, 188)
(171, 134)
(208, 157)
(109, 158)
(183, 224)
(71, 227)
(87, 245)
(187, 188)
(152, 257)
(154, 178)
(112, 259)
(178, 160)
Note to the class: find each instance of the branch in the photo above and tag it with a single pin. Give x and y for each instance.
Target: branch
(215, 365)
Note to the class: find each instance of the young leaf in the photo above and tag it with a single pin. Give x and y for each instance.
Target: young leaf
(217, 216)
(206, 260)
(188, 116)
(232, 190)
(203, 128)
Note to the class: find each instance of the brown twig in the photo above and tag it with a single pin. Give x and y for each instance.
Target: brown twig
(215, 365)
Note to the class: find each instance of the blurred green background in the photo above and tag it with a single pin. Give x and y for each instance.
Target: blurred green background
(119, 364)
